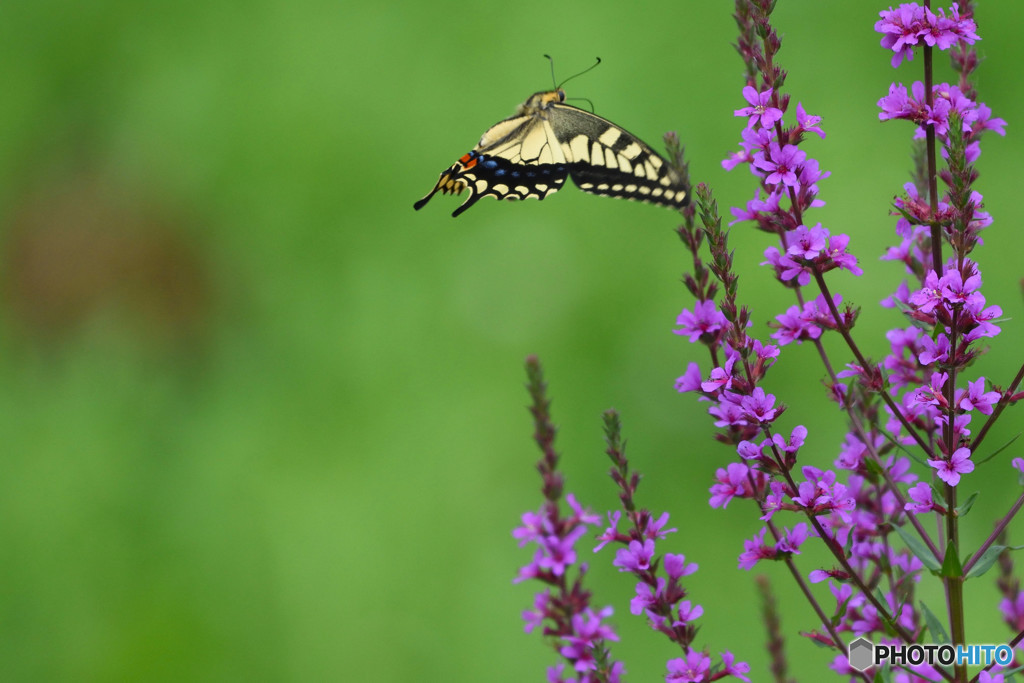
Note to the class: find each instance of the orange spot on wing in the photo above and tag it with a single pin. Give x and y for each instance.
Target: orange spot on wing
(468, 161)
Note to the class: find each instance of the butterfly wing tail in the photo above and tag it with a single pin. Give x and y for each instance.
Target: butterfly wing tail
(423, 202)
(448, 182)
(451, 181)
(470, 201)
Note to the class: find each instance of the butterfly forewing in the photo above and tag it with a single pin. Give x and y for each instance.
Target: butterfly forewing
(608, 160)
(530, 155)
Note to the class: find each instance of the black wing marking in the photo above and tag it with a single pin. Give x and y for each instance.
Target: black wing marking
(608, 160)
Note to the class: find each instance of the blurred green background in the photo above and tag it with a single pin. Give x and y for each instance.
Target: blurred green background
(262, 421)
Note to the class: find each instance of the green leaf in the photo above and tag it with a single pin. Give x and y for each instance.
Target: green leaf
(818, 643)
(951, 567)
(1008, 673)
(998, 450)
(988, 558)
(962, 510)
(935, 626)
(920, 550)
(883, 674)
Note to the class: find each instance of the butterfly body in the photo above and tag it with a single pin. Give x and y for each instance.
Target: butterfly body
(531, 154)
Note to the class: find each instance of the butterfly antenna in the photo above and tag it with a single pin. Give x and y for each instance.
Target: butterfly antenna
(552, 61)
(589, 68)
(559, 85)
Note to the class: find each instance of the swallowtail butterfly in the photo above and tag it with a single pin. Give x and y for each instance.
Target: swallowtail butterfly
(531, 153)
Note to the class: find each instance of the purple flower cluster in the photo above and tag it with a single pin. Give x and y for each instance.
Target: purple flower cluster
(561, 609)
(788, 174)
(944, 304)
(578, 632)
(870, 510)
(661, 598)
(911, 398)
(807, 322)
(910, 25)
(945, 102)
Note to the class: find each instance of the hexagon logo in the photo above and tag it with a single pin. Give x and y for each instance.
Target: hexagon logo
(861, 654)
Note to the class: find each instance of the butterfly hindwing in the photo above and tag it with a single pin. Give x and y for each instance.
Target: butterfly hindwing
(494, 176)
(530, 155)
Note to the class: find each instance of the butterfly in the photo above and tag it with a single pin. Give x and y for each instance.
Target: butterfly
(531, 154)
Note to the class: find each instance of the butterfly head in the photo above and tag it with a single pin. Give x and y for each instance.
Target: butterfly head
(539, 101)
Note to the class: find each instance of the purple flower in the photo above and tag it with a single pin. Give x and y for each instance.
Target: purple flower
(901, 29)
(721, 377)
(947, 31)
(898, 105)
(934, 351)
(558, 552)
(1013, 611)
(793, 539)
(810, 174)
(696, 668)
(797, 324)
(759, 110)
(611, 533)
(647, 596)
(976, 398)
(636, 557)
(702, 323)
(984, 121)
(761, 210)
(910, 24)
(959, 292)
(676, 567)
(840, 257)
(922, 500)
(729, 413)
(791, 327)
(774, 501)
(583, 515)
(737, 669)
(807, 242)
(932, 394)
(796, 440)
(655, 528)
(786, 269)
(536, 616)
(732, 482)
(950, 470)
(690, 381)
(822, 493)
(534, 526)
(980, 320)
(780, 164)
(807, 123)
(765, 352)
(588, 632)
(756, 550)
(851, 454)
(759, 406)
(929, 296)
(688, 613)
(748, 450)
(753, 139)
